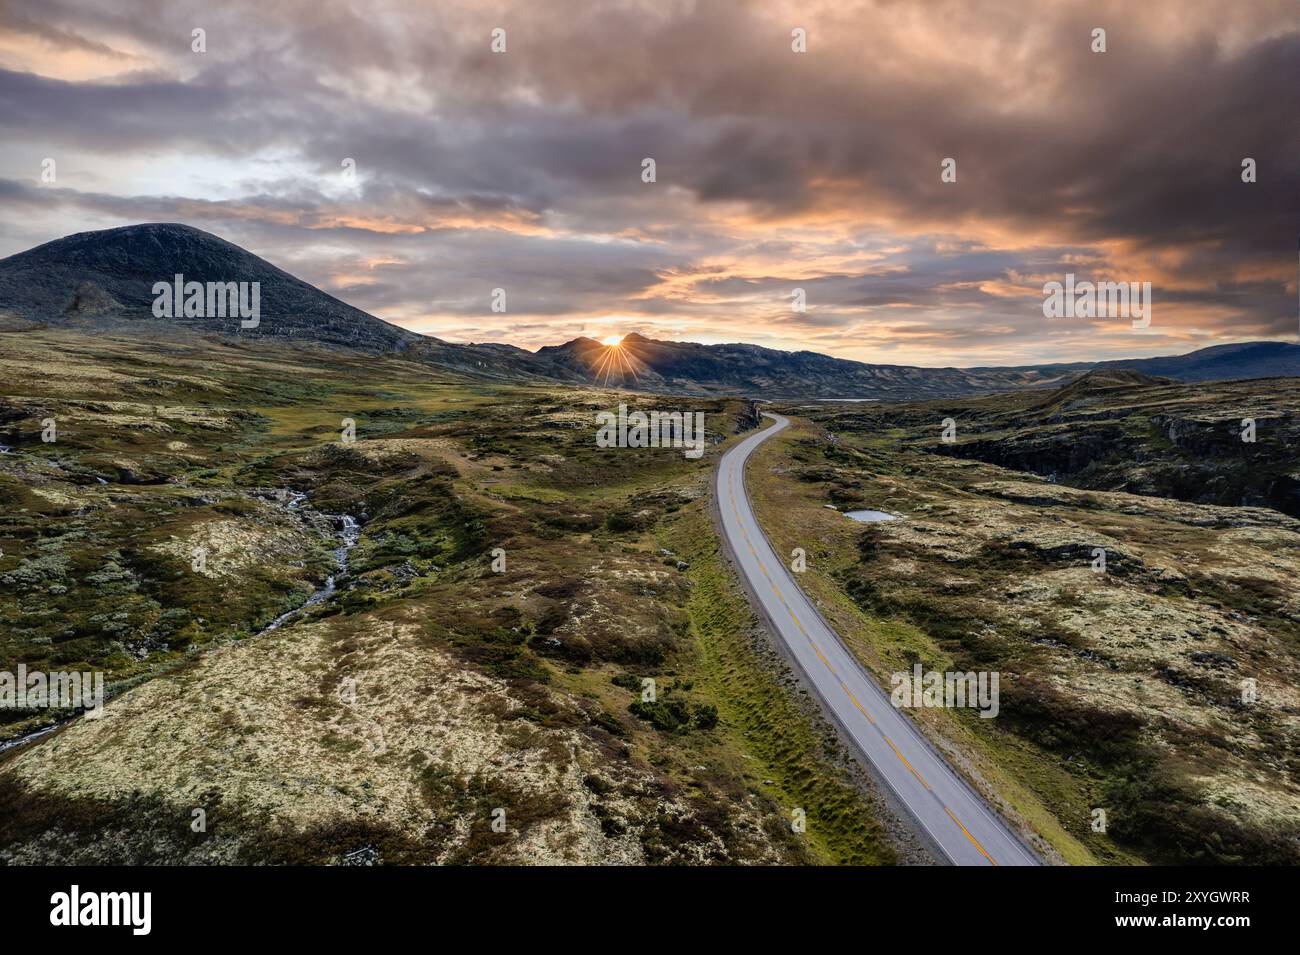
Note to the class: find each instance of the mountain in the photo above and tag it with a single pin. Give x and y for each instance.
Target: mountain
(687, 367)
(691, 368)
(105, 281)
(1221, 362)
(107, 277)
(1102, 383)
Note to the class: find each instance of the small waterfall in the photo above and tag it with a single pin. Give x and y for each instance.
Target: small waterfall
(349, 534)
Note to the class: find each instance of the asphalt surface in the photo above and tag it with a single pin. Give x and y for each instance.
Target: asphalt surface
(959, 823)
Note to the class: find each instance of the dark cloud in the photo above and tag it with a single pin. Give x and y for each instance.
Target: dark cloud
(774, 169)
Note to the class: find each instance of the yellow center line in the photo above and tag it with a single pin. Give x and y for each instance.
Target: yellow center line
(825, 662)
(972, 839)
(820, 656)
(861, 708)
(905, 762)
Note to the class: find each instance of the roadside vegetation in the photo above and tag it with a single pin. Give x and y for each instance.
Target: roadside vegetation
(1121, 691)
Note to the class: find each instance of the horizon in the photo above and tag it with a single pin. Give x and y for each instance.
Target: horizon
(683, 341)
(398, 162)
(617, 340)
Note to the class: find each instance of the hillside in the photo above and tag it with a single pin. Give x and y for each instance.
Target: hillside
(1221, 362)
(98, 279)
(1115, 429)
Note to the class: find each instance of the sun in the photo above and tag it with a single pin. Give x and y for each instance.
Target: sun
(615, 360)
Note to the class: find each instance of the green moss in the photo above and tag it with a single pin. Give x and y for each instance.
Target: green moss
(842, 827)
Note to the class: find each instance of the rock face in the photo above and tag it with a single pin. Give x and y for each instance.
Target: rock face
(1147, 435)
(749, 417)
(91, 301)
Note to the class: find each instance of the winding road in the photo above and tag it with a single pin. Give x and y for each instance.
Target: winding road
(958, 822)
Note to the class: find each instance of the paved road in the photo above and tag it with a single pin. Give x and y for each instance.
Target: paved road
(959, 822)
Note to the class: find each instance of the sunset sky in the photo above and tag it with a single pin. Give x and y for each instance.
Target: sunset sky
(775, 169)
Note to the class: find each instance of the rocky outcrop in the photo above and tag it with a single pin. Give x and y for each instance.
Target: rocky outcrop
(749, 416)
(1146, 437)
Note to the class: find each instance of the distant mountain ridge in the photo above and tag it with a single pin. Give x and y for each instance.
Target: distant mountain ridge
(103, 281)
(690, 367)
(1221, 362)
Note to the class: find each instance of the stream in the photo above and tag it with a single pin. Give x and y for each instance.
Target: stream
(348, 531)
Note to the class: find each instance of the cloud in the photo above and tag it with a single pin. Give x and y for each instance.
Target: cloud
(774, 169)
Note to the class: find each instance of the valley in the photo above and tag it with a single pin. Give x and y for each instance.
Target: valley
(399, 716)
(361, 595)
(309, 639)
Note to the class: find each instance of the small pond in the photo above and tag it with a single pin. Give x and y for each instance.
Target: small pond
(870, 517)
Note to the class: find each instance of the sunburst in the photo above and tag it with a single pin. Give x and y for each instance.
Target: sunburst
(617, 359)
